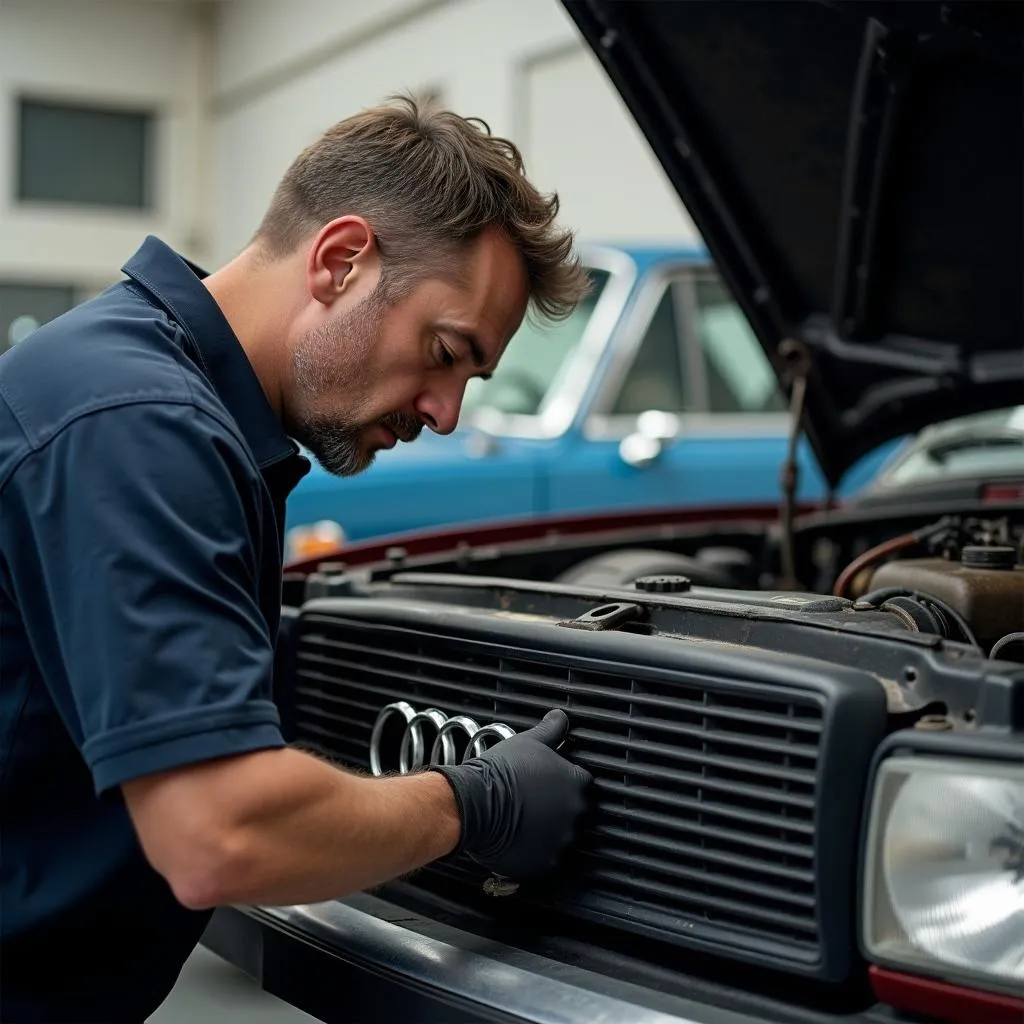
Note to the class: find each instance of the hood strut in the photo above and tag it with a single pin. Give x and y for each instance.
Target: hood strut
(796, 359)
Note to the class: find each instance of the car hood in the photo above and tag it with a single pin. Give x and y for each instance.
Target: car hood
(856, 172)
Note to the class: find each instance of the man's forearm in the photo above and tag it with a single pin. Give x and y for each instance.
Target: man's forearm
(321, 832)
(282, 827)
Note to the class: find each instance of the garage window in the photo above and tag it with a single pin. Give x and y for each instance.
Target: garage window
(84, 155)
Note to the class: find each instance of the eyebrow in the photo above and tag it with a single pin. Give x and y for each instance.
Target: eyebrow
(476, 353)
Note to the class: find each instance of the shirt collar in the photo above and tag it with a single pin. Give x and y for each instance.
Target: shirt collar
(176, 284)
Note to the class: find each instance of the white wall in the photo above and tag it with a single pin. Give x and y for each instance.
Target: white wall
(282, 79)
(582, 140)
(117, 52)
(242, 85)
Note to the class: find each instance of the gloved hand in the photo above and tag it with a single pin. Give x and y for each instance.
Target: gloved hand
(519, 801)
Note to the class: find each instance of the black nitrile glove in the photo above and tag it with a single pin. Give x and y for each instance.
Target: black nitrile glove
(519, 801)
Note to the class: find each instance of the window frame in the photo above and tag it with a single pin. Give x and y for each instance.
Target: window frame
(153, 145)
(561, 407)
(603, 425)
(709, 274)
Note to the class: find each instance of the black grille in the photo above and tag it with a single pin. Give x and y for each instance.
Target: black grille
(705, 825)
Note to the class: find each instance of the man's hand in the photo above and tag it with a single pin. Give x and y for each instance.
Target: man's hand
(278, 827)
(520, 801)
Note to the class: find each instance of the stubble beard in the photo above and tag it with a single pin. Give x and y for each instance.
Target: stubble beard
(333, 360)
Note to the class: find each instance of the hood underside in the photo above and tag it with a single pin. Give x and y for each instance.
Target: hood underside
(857, 172)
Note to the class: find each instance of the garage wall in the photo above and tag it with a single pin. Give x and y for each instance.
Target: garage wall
(240, 86)
(114, 53)
(282, 79)
(581, 139)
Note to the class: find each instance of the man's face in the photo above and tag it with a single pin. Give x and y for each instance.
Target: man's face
(375, 373)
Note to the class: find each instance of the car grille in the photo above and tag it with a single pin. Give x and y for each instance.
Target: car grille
(705, 820)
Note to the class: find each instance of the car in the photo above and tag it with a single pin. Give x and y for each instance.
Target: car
(805, 720)
(653, 393)
(969, 456)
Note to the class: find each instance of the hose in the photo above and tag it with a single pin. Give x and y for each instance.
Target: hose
(901, 543)
(1006, 641)
(869, 558)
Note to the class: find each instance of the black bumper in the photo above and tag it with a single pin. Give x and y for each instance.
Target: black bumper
(363, 960)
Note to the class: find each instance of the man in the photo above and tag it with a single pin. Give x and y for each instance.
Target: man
(145, 457)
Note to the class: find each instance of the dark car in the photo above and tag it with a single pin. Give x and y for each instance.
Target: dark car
(806, 725)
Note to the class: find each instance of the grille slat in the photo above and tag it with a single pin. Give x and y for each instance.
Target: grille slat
(685, 887)
(369, 707)
(688, 852)
(654, 774)
(705, 788)
(577, 689)
(708, 832)
(707, 809)
(792, 751)
(670, 893)
(690, 756)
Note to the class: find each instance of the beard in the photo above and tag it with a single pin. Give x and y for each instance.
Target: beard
(334, 360)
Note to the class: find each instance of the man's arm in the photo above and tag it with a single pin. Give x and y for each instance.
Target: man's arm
(279, 827)
(137, 576)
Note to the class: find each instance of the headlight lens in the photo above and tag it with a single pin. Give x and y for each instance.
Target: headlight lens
(944, 878)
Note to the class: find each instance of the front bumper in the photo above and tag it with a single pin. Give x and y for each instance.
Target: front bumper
(363, 960)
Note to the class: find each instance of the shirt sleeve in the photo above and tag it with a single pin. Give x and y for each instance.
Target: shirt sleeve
(132, 538)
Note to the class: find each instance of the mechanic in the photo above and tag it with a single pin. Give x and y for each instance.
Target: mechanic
(146, 451)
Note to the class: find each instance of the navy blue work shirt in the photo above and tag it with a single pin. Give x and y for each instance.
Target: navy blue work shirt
(143, 476)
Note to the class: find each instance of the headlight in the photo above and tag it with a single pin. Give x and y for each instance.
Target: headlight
(944, 874)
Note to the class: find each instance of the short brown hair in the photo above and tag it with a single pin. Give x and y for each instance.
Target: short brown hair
(429, 182)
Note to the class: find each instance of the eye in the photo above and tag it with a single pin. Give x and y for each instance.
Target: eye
(443, 354)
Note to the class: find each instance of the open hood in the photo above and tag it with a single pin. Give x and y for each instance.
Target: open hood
(857, 171)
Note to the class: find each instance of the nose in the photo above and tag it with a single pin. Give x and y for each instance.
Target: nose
(440, 410)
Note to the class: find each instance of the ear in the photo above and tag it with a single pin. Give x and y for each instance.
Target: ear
(343, 253)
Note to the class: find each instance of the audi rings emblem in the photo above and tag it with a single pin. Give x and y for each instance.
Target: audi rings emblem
(404, 739)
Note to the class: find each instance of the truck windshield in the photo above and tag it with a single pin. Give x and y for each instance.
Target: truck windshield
(535, 360)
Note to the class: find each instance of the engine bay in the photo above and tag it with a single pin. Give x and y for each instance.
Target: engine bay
(728, 717)
(958, 577)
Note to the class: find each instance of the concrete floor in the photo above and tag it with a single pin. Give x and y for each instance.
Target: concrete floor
(211, 989)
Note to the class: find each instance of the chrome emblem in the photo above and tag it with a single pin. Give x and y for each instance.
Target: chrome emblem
(404, 739)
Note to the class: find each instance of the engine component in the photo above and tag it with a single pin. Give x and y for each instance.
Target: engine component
(986, 588)
(944, 536)
(663, 584)
(947, 538)
(859, 568)
(1013, 642)
(622, 568)
(738, 565)
(922, 613)
(977, 556)
(607, 616)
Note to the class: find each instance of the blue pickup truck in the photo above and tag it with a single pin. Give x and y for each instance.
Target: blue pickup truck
(654, 393)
